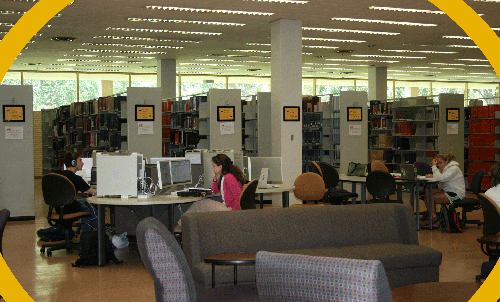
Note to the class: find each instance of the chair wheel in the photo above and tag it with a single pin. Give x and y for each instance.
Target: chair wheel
(49, 253)
(478, 278)
(42, 250)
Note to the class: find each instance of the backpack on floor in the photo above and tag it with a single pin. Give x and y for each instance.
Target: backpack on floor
(89, 255)
(53, 234)
(453, 221)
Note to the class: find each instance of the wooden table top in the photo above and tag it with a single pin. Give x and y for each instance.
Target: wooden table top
(436, 292)
(231, 258)
(492, 239)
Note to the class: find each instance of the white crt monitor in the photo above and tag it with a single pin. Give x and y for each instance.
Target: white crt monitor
(256, 164)
(174, 171)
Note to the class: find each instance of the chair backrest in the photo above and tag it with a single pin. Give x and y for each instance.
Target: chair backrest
(165, 262)
(377, 165)
(330, 174)
(491, 213)
(309, 186)
(292, 277)
(422, 168)
(57, 190)
(317, 168)
(4, 217)
(247, 196)
(380, 183)
(475, 183)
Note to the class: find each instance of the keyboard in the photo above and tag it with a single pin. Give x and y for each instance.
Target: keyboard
(271, 186)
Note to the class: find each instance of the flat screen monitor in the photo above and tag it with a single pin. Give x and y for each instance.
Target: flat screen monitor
(180, 171)
(164, 176)
(256, 164)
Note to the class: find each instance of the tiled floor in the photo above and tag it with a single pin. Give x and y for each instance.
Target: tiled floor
(54, 279)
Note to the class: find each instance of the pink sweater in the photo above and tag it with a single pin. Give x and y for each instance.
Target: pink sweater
(232, 191)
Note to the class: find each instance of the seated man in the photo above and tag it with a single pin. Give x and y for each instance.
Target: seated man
(73, 164)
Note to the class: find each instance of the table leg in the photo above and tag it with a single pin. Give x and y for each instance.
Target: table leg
(363, 192)
(261, 200)
(170, 213)
(399, 191)
(353, 189)
(430, 210)
(235, 274)
(213, 275)
(101, 225)
(418, 206)
(286, 198)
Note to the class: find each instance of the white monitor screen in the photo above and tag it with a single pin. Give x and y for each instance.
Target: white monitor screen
(256, 164)
(164, 178)
(181, 171)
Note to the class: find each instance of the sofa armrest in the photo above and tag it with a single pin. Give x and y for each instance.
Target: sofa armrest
(191, 240)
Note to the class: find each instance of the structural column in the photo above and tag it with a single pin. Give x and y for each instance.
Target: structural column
(166, 78)
(286, 83)
(377, 83)
(107, 88)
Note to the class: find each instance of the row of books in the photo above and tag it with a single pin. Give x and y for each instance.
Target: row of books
(184, 105)
(380, 107)
(381, 123)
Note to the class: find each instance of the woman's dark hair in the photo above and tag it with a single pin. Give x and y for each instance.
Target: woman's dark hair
(228, 167)
(495, 174)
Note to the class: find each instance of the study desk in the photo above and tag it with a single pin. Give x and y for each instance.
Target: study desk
(142, 207)
(283, 189)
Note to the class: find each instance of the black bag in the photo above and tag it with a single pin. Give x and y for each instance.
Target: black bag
(53, 234)
(89, 255)
(453, 221)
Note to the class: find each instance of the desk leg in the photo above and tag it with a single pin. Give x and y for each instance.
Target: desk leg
(235, 274)
(418, 206)
(399, 191)
(353, 189)
(213, 275)
(170, 213)
(261, 200)
(101, 225)
(430, 210)
(285, 198)
(363, 192)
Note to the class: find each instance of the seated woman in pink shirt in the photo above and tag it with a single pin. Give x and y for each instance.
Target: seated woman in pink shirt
(228, 180)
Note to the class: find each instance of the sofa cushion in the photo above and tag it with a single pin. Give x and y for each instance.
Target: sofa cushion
(392, 255)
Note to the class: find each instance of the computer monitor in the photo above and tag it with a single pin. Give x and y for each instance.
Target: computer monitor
(154, 160)
(180, 170)
(164, 176)
(273, 165)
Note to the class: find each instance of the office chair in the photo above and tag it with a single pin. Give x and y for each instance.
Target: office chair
(4, 217)
(309, 187)
(247, 196)
(292, 277)
(469, 204)
(58, 191)
(491, 228)
(165, 262)
(331, 179)
(377, 165)
(381, 185)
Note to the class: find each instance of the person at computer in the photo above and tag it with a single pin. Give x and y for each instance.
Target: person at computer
(445, 170)
(74, 164)
(494, 191)
(228, 180)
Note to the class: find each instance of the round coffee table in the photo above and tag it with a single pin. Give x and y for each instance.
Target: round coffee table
(436, 291)
(230, 259)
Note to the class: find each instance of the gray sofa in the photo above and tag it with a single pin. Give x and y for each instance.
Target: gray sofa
(386, 232)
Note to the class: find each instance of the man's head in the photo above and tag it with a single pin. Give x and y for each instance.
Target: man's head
(73, 161)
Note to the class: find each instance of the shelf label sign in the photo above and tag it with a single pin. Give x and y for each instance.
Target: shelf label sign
(225, 113)
(226, 128)
(453, 114)
(354, 129)
(451, 128)
(13, 132)
(355, 114)
(145, 128)
(291, 113)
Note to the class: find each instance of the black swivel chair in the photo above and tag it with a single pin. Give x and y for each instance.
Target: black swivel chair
(247, 197)
(469, 204)
(491, 227)
(4, 217)
(381, 185)
(331, 180)
(58, 191)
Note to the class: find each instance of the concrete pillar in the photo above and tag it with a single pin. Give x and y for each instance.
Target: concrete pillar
(166, 78)
(107, 88)
(413, 92)
(286, 83)
(377, 83)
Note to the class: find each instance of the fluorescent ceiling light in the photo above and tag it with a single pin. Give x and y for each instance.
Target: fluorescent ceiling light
(204, 10)
(462, 46)
(208, 64)
(389, 57)
(409, 10)
(258, 44)
(459, 64)
(473, 60)
(184, 21)
(332, 40)
(5, 32)
(415, 71)
(249, 50)
(283, 1)
(133, 45)
(145, 39)
(121, 51)
(354, 60)
(18, 12)
(6, 24)
(106, 61)
(322, 64)
(356, 31)
(418, 51)
(383, 22)
(228, 60)
(182, 32)
(457, 37)
(320, 46)
(487, 73)
(100, 56)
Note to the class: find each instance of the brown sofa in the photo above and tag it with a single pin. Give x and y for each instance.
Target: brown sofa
(386, 232)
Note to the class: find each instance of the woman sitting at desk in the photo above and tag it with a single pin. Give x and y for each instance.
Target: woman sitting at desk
(228, 180)
(445, 170)
(494, 191)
